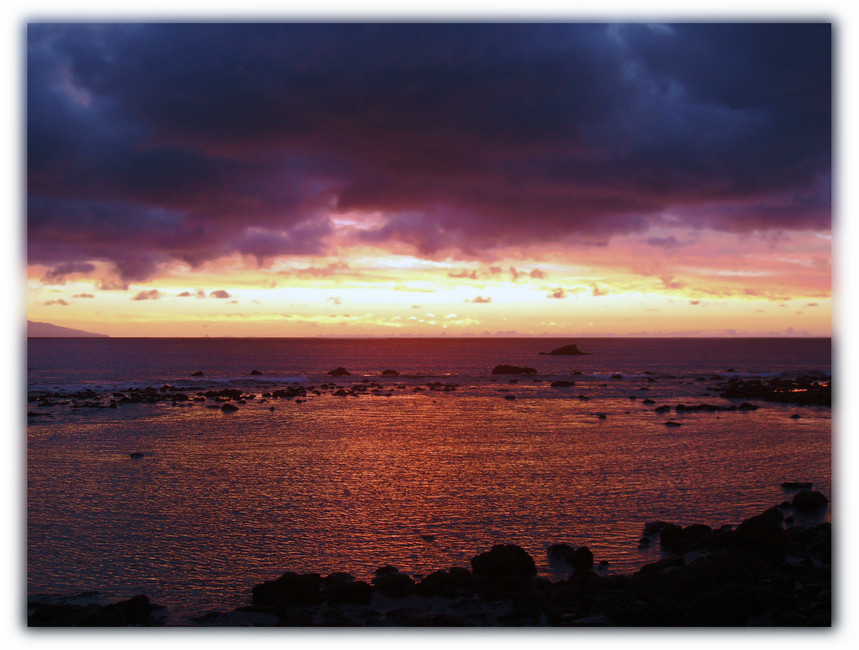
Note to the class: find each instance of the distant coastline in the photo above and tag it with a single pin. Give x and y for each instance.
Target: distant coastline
(47, 330)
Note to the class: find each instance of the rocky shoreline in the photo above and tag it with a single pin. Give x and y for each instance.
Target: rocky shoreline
(767, 571)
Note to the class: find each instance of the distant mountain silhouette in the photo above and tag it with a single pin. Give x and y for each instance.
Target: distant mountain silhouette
(35, 330)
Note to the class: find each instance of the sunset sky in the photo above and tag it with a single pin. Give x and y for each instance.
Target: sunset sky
(427, 180)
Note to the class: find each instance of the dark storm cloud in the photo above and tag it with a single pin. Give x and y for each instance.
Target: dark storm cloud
(154, 143)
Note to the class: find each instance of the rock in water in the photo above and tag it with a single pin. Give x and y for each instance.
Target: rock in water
(809, 501)
(339, 371)
(505, 369)
(567, 350)
(504, 561)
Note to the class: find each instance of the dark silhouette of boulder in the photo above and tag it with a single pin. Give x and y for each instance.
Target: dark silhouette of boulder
(339, 371)
(256, 372)
(580, 559)
(198, 373)
(505, 369)
(562, 383)
(229, 408)
(446, 584)
(342, 588)
(393, 584)
(567, 351)
(134, 612)
(390, 373)
(504, 561)
(809, 501)
(289, 589)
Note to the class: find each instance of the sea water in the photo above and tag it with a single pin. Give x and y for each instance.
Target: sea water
(422, 470)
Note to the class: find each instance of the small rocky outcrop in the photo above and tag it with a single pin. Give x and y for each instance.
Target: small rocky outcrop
(505, 369)
(393, 584)
(197, 373)
(579, 559)
(570, 350)
(809, 501)
(504, 561)
(289, 589)
(256, 372)
(229, 408)
(339, 371)
(390, 373)
(134, 612)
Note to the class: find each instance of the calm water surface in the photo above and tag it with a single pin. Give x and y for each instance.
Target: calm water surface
(422, 480)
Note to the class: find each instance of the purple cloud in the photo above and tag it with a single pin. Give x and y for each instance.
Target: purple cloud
(220, 293)
(480, 300)
(149, 144)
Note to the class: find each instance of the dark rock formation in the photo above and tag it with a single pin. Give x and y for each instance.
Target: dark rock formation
(809, 501)
(580, 559)
(136, 611)
(504, 561)
(339, 371)
(562, 383)
(390, 373)
(229, 408)
(390, 582)
(513, 370)
(805, 390)
(198, 373)
(256, 372)
(289, 589)
(566, 351)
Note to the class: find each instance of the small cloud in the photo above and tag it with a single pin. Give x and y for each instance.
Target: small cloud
(671, 283)
(57, 302)
(416, 306)
(220, 293)
(694, 302)
(463, 274)
(480, 300)
(598, 291)
(811, 304)
(495, 270)
(83, 295)
(235, 302)
(184, 294)
(558, 293)
(663, 242)
(147, 295)
(537, 273)
(514, 273)
(334, 299)
(760, 311)
(112, 284)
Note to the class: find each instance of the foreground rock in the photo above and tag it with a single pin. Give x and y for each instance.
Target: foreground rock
(759, 574)
(763, 573)
(83, 611)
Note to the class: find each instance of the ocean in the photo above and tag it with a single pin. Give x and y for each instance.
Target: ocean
(422, 469)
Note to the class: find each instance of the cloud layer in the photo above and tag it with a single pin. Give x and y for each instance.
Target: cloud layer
(151, 144)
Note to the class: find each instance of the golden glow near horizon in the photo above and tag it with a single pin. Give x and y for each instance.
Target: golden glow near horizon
(722, 285)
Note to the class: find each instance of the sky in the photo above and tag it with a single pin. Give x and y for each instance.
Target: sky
(555, 179)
